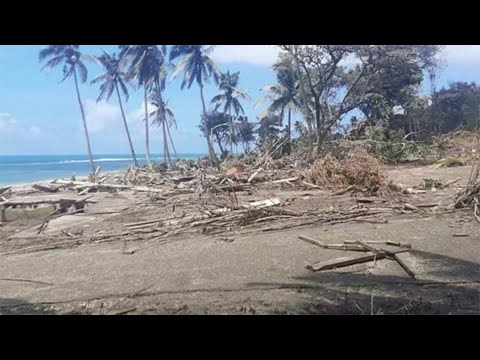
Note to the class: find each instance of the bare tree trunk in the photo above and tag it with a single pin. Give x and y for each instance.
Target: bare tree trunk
(126, 125)
(163, 118)
(230, 120)
(319, 125)
(166, 151)
(147, 135)
(211, 150)
(219, 141)
(289, 125)
(171, 141)
(84, 120)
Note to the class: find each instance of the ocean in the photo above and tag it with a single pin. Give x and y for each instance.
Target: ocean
(26, 169)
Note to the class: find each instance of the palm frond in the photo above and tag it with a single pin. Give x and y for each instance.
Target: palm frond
(53, 62)
(82, 71)
(104, 89)
(98, 78)
(67, 72)
(124, 89)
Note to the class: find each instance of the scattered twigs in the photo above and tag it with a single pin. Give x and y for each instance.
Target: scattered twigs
(470, 196)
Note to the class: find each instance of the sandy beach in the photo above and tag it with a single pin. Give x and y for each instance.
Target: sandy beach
(166, 249)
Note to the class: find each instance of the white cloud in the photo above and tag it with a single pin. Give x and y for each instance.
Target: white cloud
(101, 115)
(250, 54)
(463, 54)
(106, 118)
(7, 121)
(267, 54)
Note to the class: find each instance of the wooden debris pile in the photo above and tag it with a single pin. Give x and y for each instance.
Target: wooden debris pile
(470, 196)
(373, 251)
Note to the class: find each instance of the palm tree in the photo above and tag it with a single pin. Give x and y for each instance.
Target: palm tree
(229, 97)
(71, 58)
(196, 65)
(165, 122)
(283, 95)
(246, 132)
(147, 67)
(113, 79)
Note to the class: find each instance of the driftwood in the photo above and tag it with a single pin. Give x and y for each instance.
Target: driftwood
(254, 175)
(451, 182)
(289, 180)
(370, 248)
(46, 201)
(391, 243)
(343, 247)
(183, 179)
(404, 266)
(345, 261)
(107, 186)
(47, 189)
(410, 207)
(4, 189)
(311, 185)
(263, 204)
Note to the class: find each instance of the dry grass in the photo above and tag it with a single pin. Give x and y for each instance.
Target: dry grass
(359, 168)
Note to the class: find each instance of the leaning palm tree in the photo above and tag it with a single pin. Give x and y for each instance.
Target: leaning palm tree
(166, 122)
(196, 65)
(148, 70)
(71, 58)
(113, 79)
(283, 95)
(230, 97)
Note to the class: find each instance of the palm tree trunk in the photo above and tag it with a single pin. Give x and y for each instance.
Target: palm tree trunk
(147, 135)
(289, 125)
(126, 125)
(163, 119)
(219, 141)
(211, 150)
(166, 151)
(84, 120)
(231, 130)
(171, 141)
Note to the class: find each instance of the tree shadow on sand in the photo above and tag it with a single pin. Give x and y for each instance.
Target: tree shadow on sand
(444, 285)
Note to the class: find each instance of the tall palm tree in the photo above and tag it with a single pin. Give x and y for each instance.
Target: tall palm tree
(147, 68)
(71, 58)
(113, 79)
(196, 65)
(230, 96)
(166, 122)
(283, 95)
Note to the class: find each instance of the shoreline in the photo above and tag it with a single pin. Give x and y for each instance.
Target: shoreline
(85, 174)
(26, 185)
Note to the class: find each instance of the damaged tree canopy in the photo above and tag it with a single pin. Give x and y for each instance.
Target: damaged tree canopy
(380, 73)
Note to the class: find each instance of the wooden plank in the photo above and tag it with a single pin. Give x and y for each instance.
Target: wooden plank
(342, 247)
(391, 243)
(107, 186)
(47, 189)
(312, 241)
(404, 266)
(345, 261)
(368, 247)
(4, 189)
(281, 181)
(311, 185)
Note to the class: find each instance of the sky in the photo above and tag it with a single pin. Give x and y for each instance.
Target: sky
(40, 116)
